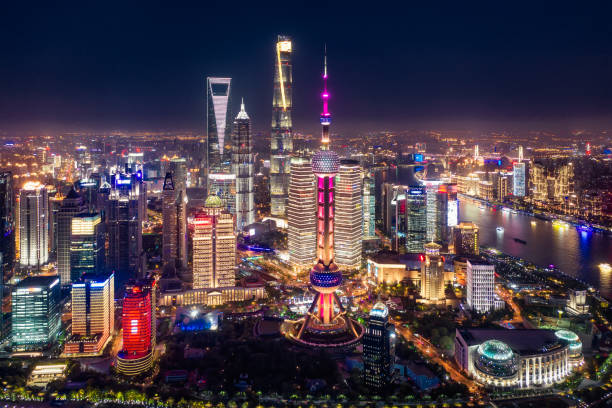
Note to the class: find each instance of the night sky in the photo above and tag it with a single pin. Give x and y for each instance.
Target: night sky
(141, 66)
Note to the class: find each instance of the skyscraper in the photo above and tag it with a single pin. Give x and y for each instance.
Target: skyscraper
(242, 168)
(281, 142)
(416, 218)
(71, 205)
(519, 179)
(326, 324)
(35, 312)
(218, 122)
(349, 215)
(86, 245)
(136, 356)
(378, 348)
(33, 225)
(480, 285)
(93, 314)
(174, 227)
(214, 246)
(369, 208)
(7, 220)
(301, 218)
(432, 273)
(126, 206)
(465, 239)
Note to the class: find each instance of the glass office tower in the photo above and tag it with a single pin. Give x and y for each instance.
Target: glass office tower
(218, 124)
(35, 312)
(242, 168)
(86, 245)
(281, 142)
(33, 225)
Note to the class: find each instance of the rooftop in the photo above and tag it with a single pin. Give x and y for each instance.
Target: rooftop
(37, 281)
(524, 341)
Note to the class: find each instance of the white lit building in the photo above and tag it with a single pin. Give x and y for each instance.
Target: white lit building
(432, 274)
(519, 179)
(480, 286)
(301, 211)
(33, 225)
(348, 236)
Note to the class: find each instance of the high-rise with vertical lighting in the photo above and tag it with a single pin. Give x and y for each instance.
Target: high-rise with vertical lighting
(218, 124)
(214, 246)
(281, 142)
(242, 168)
(301, 218)
(86, 245)
(70, 206)
(33, 225)
(93, 314)
(519, 179)
(7, 221)
(349, 215)
(174, 227)
(327, 324)
(369, 208)
(432, 273)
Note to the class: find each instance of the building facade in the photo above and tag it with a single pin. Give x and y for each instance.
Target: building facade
(480, 286)
(301, 218)
(369, 208)
(242, 168)
(214, 247)
(70, 206)
(136, 356)
(174, 227)
(125, 211)
(281, 138)
(416, 218)
(93, 314)
(432, 274)
(87, 251)
(7, 220)
(378, 348)
(33, 225)
(349, 215)
(465, 239)
(35, 307)
(218, 124)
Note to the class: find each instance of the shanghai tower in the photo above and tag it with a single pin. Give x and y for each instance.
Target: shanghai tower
(281, 143)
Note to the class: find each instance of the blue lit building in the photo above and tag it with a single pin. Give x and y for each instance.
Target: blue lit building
(36, 311)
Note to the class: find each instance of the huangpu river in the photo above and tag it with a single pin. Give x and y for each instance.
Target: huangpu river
(576, 253)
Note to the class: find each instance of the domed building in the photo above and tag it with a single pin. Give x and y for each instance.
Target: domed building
(496, 363)
(575, 346)
(501, 358)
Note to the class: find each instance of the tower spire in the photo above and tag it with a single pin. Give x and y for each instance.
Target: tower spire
(325, 115)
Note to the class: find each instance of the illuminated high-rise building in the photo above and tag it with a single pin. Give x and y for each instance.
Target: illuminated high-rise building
(432, 273)
(174, 227)
(7, 221)
(446, 212)
(281, 142)
(416, 218)
(378, 348)
(480, 285)
(519, 179)
(218, 124)
(93, 314)
(301, 218)
(136, 356)
(33, 225)
(86, 245)
(35, 312)
(71, 205)
(369, 208)
(214, 246)
(465, 239)
(349, 215)
(125, 211)
(242, 168)
(326, 325)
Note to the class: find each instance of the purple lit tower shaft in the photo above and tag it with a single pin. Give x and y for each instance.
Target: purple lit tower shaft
(325, 277)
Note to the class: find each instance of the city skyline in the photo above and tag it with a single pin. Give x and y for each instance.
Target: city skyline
(473, 67)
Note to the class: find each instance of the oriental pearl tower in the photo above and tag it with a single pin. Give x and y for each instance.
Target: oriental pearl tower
(326, 325)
